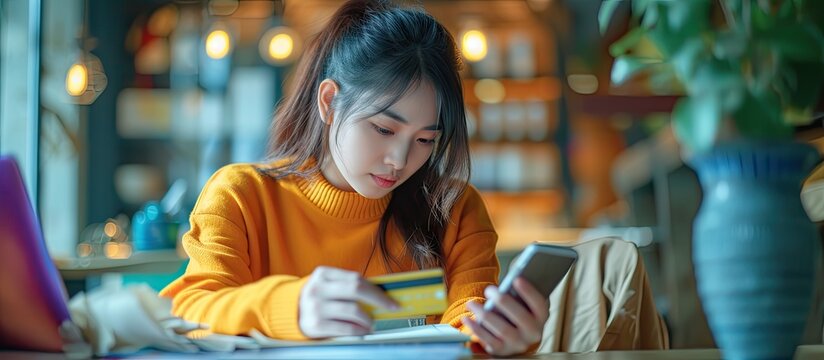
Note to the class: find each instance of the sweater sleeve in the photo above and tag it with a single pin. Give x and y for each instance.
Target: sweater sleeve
(219, 288)
(471, 263)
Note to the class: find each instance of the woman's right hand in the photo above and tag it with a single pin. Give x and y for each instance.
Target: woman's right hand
(328, 304)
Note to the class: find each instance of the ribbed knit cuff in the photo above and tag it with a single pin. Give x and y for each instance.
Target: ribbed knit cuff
(282, 314)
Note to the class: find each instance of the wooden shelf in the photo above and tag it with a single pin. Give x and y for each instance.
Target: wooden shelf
(156, 261)
(546, 88)
(609, 105)
(523, 217)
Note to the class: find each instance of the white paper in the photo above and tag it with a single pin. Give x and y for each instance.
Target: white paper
(438, 333)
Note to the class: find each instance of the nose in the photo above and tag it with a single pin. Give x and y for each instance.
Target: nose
(397, 155)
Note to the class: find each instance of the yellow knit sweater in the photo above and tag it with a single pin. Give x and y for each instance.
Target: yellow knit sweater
(255, 240)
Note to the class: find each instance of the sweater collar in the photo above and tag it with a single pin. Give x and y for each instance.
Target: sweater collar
(339, 203)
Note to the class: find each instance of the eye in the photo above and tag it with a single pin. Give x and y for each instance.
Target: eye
(382, 131)
(426, 141)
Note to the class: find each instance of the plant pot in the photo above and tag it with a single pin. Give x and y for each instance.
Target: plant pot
(754, 248)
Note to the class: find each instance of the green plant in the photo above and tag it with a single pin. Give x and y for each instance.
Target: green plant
(753, 68)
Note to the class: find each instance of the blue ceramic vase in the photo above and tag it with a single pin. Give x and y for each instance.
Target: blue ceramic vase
(754, 247)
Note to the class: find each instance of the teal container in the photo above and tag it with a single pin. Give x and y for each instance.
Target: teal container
(151, 230)
(754, 247)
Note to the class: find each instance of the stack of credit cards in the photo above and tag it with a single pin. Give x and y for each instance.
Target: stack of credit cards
(419, 293)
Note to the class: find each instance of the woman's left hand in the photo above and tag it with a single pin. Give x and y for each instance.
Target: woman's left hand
(511, 327)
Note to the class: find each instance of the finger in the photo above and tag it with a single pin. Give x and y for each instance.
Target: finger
(476, 309)
(501, 328)
(353, 288)
(536, 302)
(346, 311)
(371, 294)
(518, 315)
(496, 324)
(491, 293)
(490, 343)
(336, 274)
(359, 290)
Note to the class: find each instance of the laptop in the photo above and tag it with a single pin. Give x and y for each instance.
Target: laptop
(32, 294)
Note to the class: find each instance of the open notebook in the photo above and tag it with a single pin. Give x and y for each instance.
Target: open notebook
(427, 334)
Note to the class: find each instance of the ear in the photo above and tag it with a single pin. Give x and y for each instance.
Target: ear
(326, 93)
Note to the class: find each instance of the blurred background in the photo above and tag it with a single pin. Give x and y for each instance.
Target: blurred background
(119, 111)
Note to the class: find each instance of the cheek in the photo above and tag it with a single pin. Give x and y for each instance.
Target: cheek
(357, 148)
(419, 157)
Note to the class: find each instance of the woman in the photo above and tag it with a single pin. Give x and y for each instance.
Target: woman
(367, 175)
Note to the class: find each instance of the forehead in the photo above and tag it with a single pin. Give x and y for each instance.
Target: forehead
(418, 105)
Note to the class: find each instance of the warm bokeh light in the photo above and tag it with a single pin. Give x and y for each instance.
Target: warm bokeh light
(77, 79)
(84, 250)
(473, 45)
(583, 83)
(490, 91)
(110, 229)
(280, 47)
(111, 249)
(117, 250)
(218, 44)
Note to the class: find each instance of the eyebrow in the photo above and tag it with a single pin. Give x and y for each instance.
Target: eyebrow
(397, 117)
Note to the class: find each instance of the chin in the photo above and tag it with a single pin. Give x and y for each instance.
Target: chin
(373, 193)
(369, 190)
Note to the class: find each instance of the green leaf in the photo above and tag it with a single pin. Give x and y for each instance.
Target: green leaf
(667, 39)
(716, 79)
(760, 116)
(734, 7)
(642, 6)
(663, 81)
(813, 11)
(626, 66)
(796, 117)
(684, 61)
(647, 10)
(800, 83)
(787, 10)
(796, 41)
(730, 44)
(688, 17)
(605, 13)
(761, 20)
(696, 121)
(626, 42)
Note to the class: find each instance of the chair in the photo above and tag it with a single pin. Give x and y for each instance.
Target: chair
(604, 303)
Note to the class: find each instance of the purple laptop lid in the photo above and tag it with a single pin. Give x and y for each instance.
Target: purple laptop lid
(32, 296)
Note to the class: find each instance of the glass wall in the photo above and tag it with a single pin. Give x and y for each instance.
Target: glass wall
(19, 61)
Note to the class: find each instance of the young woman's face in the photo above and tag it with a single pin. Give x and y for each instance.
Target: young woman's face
(373, 156)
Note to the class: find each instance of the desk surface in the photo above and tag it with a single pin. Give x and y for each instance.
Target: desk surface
(805, 352)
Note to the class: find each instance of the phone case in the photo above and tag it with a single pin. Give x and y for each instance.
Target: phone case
(542, 265)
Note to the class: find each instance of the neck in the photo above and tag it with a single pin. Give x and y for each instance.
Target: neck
(333, 175)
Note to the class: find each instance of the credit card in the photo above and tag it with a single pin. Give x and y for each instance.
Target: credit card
(419, 293)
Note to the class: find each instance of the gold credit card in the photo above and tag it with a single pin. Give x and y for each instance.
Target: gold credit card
(419, 293)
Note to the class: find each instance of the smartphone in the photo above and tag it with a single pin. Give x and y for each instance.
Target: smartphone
(542, 265)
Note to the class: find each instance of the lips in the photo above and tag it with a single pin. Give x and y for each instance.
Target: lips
(384, 181)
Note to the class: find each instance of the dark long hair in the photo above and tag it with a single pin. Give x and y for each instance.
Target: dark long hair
(376, 52)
